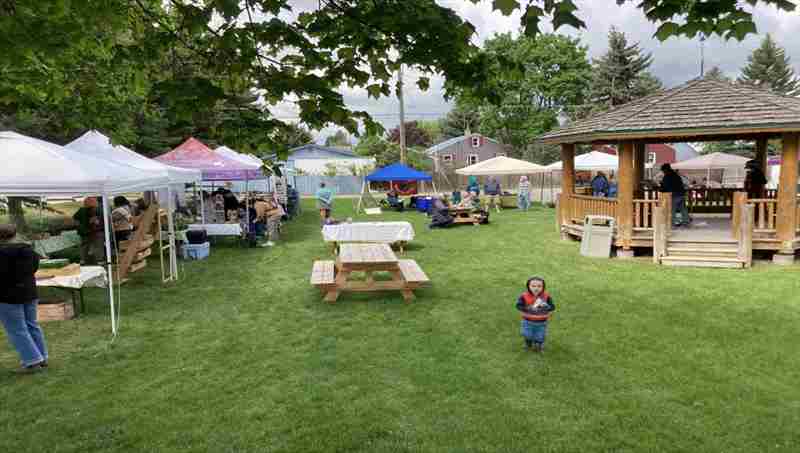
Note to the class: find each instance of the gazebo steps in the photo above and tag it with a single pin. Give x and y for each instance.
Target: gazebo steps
(703, 261)
(727, 252)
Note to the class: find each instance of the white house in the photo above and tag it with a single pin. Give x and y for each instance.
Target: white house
(315, 159)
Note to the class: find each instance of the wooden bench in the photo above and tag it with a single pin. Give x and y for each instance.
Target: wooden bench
(323, 275)
(412, 273)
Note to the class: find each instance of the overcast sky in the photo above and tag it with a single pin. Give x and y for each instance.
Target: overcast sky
(675, 60)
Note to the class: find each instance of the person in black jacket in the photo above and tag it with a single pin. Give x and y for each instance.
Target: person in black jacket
(18, 300)
(673, 184)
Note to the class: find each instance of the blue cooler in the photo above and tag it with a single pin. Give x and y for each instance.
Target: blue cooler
(195, 251)
(423, 204)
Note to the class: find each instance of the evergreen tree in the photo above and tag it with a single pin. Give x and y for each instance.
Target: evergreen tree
(716, 73)
(768, 67)
(620, 76)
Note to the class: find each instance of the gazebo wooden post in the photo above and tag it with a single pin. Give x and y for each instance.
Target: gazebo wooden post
(567, 181)
(787, 200)
(639, 160)
(625, 198)
(761, 153)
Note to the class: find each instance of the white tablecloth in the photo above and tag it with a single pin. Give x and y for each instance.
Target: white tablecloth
(218, 229)
(94, 276)
(383, 232)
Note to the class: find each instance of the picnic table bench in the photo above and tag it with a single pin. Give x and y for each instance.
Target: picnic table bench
(333, 278)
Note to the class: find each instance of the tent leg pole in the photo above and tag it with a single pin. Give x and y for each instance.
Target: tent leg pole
(173, 257)
(109, 265)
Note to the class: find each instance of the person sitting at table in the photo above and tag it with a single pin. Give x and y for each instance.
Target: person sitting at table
(440, 214)
(393, 198)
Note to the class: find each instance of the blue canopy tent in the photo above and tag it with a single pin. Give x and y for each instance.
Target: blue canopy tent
(391, 173)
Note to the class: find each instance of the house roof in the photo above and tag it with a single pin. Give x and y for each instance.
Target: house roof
(314, 151)
(453, 141)
(697, 109)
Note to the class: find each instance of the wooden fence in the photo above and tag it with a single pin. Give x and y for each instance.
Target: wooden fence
(581, 205)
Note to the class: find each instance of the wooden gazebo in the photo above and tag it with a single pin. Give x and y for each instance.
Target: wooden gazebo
(697, 111)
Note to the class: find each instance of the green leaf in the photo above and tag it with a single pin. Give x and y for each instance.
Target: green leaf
(667, 30)
(423, 83)
(531, 19)
(742, 29)
(561, 18)
(505, 6)
(374, 90)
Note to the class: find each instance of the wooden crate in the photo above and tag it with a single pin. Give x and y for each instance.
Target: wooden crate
(55, 310)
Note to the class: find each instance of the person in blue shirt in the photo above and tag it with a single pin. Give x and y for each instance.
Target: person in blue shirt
(600, 185)
(473, 186)
(324, 202)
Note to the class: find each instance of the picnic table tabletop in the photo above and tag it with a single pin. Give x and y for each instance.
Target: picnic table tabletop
(369, 232)
(350, 253)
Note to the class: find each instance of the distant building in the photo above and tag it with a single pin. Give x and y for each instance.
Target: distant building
(659, 153)
(463, 151)
(315, 159)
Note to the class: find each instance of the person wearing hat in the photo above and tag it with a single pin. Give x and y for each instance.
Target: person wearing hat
(18, 300)
(673, 183)
(754, 182)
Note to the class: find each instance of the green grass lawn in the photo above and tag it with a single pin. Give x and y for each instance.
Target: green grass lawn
(242, 355)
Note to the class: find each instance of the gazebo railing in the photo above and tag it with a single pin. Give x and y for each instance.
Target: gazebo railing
(643, 214)
(702, 200)
(765, 214)
(583, 205)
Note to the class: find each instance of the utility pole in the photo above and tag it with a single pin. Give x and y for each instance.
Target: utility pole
(702, 54)
(402, 115)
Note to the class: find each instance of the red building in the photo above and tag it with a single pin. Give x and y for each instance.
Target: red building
(659, 153)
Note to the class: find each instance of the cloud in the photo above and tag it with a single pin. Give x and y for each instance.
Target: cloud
(674, 61)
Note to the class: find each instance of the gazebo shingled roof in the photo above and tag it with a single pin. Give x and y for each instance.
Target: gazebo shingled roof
(699, 108)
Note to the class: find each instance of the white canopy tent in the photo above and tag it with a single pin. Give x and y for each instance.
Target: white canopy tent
(591, 161)
(38, 168)
(240, 157)
(97, 145)
(713, 161)
(501, 165)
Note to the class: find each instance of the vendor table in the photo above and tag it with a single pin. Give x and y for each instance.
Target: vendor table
(91, 276)
(371, 232)
(334, 278)
(218, 229)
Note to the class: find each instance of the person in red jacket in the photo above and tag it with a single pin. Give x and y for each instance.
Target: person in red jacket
(535, 306)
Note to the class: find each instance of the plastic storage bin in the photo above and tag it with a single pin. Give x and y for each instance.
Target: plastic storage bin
(196, 251)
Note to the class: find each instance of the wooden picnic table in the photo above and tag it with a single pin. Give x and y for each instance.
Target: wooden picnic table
(464, 215)
(333, 278)
(392, 233)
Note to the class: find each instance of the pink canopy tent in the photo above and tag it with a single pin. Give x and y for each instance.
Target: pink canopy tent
(215, 167)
